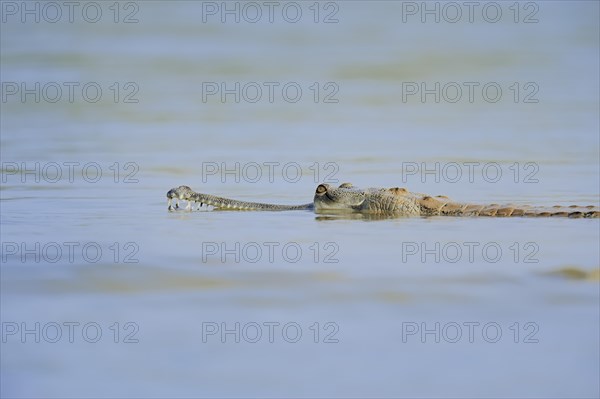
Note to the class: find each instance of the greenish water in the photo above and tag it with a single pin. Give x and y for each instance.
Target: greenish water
(327, 307)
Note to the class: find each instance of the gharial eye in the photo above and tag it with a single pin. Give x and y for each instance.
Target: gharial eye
(321, 189)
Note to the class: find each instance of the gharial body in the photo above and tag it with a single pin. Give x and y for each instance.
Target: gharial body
(381, 201)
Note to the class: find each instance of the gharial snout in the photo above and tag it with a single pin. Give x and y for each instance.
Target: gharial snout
(170, 195)
(179, 193)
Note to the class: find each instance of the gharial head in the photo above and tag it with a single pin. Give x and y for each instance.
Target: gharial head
(181, 192)
(343, 198)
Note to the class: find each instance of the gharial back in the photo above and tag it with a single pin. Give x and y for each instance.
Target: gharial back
(442, 205)
(401, 202)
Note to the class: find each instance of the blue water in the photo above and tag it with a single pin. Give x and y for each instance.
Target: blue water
(128, 299)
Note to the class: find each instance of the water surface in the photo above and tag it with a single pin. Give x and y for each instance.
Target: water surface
(523, 293)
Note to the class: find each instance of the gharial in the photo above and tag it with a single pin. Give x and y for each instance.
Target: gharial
(381, 201)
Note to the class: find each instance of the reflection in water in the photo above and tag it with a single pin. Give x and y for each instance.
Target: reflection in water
(357, 216)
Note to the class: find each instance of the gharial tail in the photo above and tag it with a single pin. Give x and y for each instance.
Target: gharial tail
(442, 205)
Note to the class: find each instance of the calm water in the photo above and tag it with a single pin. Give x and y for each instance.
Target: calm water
(127, 299)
